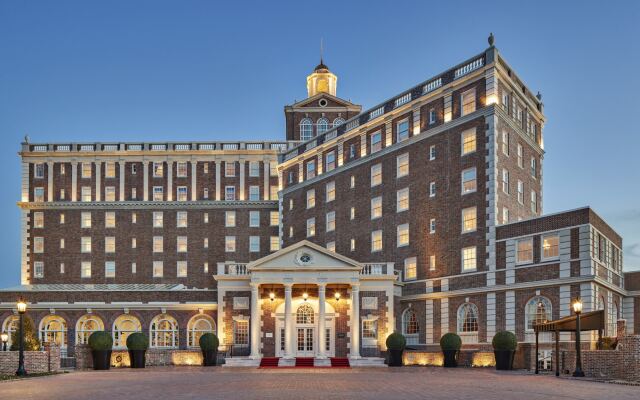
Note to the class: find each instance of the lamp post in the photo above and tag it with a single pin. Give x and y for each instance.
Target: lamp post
(5, 338)
(22, 308)
(577, 308)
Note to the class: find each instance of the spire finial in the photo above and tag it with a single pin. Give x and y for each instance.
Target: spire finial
(491, 39)
(321, 50)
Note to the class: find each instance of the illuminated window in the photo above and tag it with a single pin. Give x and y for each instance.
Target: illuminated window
(306, 129)
(468, 320)
(352, 213)
(38, 220)
(273, 192)
(85, 193)
(274, 243)
(376, 175)
(331, 246)
(164, 332)
(158, 244)
(38, 194)
(352, 245)
(402, 200)
(158, 193)
(85, 269)
(410, 326)
(38, 269)
(469, 219)
(538, 310)
(304, 314)
(110, 170)
(86, 170)
(85, 326)
(241, 332)
(109, 219)
(330, 191)
(158, 219)
(274, 218)
(402, 130)
(432, 262)
(181, 219)
(402, 236)
(469, 180)
(468, 101)
(369, 329)
(158, 170)
(469, 141)
(181, 244)
(520, 160)
(550, 246)
(229, 168)
(182, 193)
(181, 269)
(110, 244)
(402, 165)
(376, 241)
(53, 329)
(124, 326)
(85, 244)
(311, 227)
(311, 198)
(198, 326)
(230, 219)
(229, 244)
(469, 259)
(524, 251)
(376, 207)
(505, 215)
(158, 269)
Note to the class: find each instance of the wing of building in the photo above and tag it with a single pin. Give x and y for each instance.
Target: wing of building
(423, 215)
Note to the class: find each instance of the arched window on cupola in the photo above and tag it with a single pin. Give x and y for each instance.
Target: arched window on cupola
(322, 126)
(338, 122)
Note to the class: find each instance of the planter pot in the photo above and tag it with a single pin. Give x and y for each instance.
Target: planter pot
(450, 358)
(101, 359)
(209, 358)
(504, 359)
(137, 358)
(395, 358)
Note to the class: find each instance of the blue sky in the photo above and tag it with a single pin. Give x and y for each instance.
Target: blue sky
(203, 70)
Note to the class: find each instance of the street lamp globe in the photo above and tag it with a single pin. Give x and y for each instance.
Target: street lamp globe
(22, 306)
(577, 306)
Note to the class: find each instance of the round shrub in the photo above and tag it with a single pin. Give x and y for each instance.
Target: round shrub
(137, 341)
(504, 340)
(450, 341)
(100, 340)
(209, 342)
(396, 341)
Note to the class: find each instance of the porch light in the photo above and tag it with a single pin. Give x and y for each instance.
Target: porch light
(577, 306)
(337, 296)
(305, 296)
(21, 306)
(272, 296)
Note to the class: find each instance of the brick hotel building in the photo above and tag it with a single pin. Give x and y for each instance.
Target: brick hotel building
(422, 215)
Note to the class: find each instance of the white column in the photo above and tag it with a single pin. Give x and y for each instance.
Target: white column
(217, 163)
(122, 165)
(288, 321)
(242, 194)
(98, 168)
(194, 189)
(49, 181)
(355, 322)
(145, 180)
(266, 190)
(255, 321)
(74, 180)
(169, 180)
(220, 314)
(322, 320)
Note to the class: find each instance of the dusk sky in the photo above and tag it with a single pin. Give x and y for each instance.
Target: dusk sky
(73, 71)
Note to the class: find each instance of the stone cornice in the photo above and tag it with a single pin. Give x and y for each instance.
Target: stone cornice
(141, 205)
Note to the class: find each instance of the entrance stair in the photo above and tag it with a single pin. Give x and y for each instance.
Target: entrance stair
(269, 362)
(340, 362)
(304, 362)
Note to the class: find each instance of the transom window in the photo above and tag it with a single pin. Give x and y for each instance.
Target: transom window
(538, 310)
(304, 314)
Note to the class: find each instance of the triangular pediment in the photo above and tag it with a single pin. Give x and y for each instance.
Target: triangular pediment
(332, 101)
(304, 255)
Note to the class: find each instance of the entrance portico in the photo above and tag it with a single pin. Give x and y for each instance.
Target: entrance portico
(305, 301)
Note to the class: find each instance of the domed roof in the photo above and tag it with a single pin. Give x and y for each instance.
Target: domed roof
(321, 66)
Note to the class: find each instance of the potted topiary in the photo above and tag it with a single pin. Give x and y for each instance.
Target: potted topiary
(504, 348)
(209, 346)
(101, 343)
(395, 346)
(450, 344)
(137, 344)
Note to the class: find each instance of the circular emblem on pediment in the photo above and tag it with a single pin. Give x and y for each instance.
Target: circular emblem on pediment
(303, 258)
(323, 103)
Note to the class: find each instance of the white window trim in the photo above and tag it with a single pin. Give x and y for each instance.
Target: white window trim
(404, 270)
(465, 271)
(529, 239)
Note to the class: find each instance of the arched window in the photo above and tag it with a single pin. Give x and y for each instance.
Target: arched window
(537, 310)
(164, 331)
(410, 326)
(198, 326)
(468, 323)
(10, 325)
(85, 326)
(322, 126)
(338, 122)
(53, 329)
(304, 314)
(306, 129)
(123, 326)
(612, 320)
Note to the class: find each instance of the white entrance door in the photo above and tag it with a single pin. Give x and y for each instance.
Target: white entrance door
(305, 339)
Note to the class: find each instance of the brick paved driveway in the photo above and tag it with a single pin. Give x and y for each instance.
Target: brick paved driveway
(240, 384)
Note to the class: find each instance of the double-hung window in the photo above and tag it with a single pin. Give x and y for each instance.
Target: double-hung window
(468, 141)
(376, 207)
(402, 238)
(402, 165)
(524, 251)
(469, 180)
(331, 221)
(468, 101)
(330, 161)
(402, 130)
(311, 169)
(330, 190)
(376, 175)
(181, 170)
(402, 200)
(376, 141)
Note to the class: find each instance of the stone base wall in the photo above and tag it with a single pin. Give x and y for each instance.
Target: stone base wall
(466, 358)
(47, 360)
(154, 357)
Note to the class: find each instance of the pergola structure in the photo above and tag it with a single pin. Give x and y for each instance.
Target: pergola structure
(589, 321)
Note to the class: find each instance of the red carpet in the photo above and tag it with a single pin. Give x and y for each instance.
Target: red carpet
(269, 362)
(340, 362)
(304, 362)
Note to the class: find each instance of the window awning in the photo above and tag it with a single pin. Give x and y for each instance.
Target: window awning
(589, 321)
